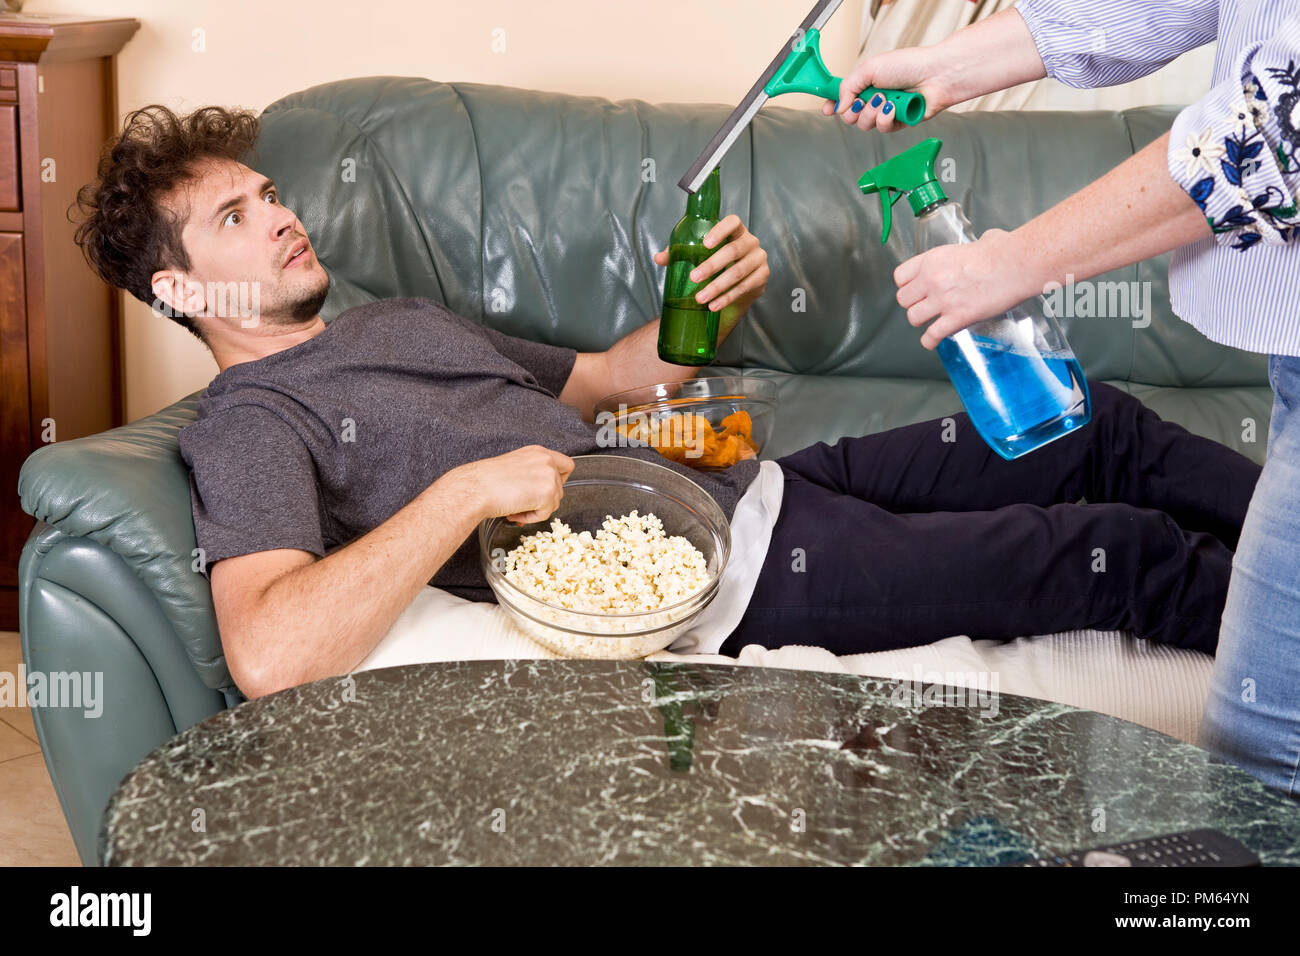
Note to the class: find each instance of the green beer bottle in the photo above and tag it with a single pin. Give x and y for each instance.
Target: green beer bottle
(688, 330)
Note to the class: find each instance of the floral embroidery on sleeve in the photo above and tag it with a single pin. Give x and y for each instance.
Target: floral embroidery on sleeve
(1241, 184)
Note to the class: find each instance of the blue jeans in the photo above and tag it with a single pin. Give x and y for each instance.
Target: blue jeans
(1252, 717)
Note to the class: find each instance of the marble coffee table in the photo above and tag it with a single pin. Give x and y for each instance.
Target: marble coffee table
(590, 762)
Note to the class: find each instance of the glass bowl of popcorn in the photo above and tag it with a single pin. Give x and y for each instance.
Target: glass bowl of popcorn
(707, 422)
(621, 569)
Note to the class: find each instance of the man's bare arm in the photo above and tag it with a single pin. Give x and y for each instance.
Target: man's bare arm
(631, 361)
(287, 618)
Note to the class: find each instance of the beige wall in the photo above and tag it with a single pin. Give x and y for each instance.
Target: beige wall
(259, 50)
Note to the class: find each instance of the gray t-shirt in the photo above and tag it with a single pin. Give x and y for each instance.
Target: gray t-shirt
(318, 444)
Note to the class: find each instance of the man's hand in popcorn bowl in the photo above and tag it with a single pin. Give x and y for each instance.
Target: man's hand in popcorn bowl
(524, 485)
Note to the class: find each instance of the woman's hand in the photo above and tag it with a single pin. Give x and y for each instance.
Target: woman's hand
(989, 55)
(742, 262)
(921, 69)
(957, 285)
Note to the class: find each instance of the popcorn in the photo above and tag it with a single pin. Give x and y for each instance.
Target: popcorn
(629, 566)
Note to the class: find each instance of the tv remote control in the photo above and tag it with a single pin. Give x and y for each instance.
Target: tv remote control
(1189, 848)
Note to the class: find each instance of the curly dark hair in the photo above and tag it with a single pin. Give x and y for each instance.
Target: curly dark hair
(125, 233)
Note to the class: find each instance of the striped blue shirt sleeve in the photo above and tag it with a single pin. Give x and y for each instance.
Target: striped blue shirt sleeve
(1236, 151)
(1090, 43)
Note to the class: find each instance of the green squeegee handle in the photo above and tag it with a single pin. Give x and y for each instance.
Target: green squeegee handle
(804, 72)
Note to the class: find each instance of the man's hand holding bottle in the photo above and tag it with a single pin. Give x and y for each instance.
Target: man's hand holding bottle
(742, 263)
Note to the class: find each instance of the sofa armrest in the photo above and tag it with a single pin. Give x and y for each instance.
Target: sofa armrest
(128, 490)
(85, 613)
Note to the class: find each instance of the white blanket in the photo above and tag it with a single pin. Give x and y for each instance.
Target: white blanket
(1154, 685)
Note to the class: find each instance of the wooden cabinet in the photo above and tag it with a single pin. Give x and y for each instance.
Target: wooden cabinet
(60, 327)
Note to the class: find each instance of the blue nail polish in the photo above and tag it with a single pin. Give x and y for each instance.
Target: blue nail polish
(857, 106)
(889, 108)
(875, 100)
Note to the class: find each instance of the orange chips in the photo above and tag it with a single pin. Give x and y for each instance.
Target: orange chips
(689, 439)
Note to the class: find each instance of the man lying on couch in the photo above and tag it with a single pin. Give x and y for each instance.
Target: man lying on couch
(337, 470)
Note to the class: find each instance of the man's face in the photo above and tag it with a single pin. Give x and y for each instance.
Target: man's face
(250, 256)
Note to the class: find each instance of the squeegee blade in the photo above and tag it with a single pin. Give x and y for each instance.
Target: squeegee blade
(743, 114)
(718, 146)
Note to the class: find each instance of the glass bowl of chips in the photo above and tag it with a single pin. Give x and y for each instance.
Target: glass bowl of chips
(709, 422)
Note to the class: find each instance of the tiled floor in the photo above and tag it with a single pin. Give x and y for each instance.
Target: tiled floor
(32, 829)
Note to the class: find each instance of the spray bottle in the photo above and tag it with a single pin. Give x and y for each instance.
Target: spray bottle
(1015, 373)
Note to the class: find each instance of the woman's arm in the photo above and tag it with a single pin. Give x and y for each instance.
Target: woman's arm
(1132, 213)
(987, 56)
(1081, 43)
(1086, 43)
(1230, 168)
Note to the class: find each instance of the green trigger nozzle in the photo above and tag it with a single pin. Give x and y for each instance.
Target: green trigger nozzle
(910, 173)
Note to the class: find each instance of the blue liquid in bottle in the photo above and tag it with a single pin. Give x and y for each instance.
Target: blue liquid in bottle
(1017, 399)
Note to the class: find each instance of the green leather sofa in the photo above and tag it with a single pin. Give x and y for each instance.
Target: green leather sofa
(538, 213)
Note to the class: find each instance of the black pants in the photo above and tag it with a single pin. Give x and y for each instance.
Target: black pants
(902, 538)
